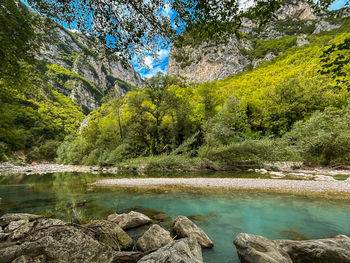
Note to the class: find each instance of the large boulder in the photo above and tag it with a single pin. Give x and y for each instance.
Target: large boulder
(155, 237)
(59, 244)
(131, 220)
(110, 234)
(258, 249)
(32, 238)
(186, 228)
(329, 250)
(185, 250)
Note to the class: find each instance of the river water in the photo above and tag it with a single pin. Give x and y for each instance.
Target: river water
(222, 215)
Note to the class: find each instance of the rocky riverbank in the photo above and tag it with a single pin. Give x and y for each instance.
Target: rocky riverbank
(276, 170)
(34, 238)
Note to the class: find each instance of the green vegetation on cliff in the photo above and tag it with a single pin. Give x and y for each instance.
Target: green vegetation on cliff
(34, 116)
(283, 110)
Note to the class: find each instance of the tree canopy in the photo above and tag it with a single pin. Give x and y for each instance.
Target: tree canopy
(129, 26)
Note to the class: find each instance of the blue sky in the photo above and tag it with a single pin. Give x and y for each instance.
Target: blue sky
(337, 4)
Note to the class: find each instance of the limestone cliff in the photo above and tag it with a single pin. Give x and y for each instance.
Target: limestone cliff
(210, 60)
(80, 68)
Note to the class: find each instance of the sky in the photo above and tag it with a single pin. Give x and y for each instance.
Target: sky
(153, 64)
(161, 64)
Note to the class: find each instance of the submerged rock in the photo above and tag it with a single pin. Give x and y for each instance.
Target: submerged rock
(130, 220)
(110, 234)
(258, 249)
(154, 214)
(199, 219)
(185, 250)
(186, 228)
(294, 235)
(155, 237)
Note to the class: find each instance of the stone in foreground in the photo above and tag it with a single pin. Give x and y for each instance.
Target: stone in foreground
(155, 237)
(131, 220)
(185, 250)
(329, 250)
(49, 240)
(186, 228)
(257, 249)
(110, 234)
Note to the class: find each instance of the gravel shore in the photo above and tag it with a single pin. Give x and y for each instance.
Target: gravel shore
(233, 183)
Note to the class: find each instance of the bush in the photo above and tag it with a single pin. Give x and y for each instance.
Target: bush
(3, 151)
(324, 138)
(161, 163)
(248, 150)
(44, 152)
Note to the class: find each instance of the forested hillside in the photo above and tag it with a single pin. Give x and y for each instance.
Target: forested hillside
(294, 107)
(45, 94)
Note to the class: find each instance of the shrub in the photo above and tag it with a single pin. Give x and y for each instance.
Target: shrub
(324, 138)
(3, 151)
(248, 150)
(44, 152)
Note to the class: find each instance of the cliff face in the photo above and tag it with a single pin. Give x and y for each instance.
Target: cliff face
(80, 68)
(214, 61)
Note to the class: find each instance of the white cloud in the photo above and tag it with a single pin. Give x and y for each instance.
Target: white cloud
(163, 54)
(149, 61)
(153, 72)
(167, 11)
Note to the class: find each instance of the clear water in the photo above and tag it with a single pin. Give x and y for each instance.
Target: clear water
(272, 215)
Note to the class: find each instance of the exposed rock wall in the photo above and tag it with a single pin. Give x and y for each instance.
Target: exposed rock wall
(210, 61)
(82, 55)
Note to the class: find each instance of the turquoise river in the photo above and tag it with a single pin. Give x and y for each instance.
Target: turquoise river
(222, 215)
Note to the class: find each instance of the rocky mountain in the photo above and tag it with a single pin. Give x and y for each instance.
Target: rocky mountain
(218, 59)
(80, 68)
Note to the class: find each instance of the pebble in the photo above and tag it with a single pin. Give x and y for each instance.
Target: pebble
(233, 183)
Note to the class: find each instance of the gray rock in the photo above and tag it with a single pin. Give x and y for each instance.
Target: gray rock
(324, 25)
(7, 218)
(127, 257)
(27, 259)
(258, 249)
(329, 250)
(181, 251)
(16, 224)
(60, 244)
(131, 220)
(155, 237)
(186, 228)
(302, 40)
(31, 238)
(110, 234)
